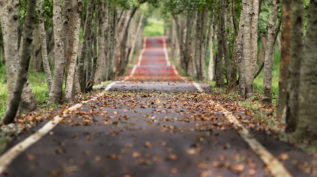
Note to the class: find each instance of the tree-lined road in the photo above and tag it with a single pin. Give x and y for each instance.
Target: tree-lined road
(154, 123)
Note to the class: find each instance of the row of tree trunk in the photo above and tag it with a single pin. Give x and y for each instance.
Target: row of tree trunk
(71, 64)
(238, 61)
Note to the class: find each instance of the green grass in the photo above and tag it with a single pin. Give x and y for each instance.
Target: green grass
(153, 27)
(37, 83)
(258, 82)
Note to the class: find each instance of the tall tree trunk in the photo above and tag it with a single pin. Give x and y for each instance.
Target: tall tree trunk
(122, 44)
(42, 31)
(74, 31)
(297, 54)
(250, 47)
(307, 125)
(269, 54)
(225, 37)
(10, 26)
(101, 73)
(234, 64)
(285, 57)
(56, 94)
(254, 14)
(220, 51)
(211, 66)
(137, 35)
(199, 45)
(113, 42)
(86, 48)
(181, 45)
(13, 104)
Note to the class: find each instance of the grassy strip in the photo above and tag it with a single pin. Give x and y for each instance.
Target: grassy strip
(37, 82)
(265, 114)
(153, 27)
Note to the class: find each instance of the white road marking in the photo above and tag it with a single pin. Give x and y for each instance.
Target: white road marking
(110, 86)
(177, 74)
(276, 168)
(139, 61)
(142, 52)
(166, 53)
(12, 153)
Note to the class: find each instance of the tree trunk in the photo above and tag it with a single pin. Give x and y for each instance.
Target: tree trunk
(13, 104)
(285, 57)
(56, 94)
(220, 51)
(113, 42)
(101, 73)
(181, 45)
(295, 64)
(122, 44)
(85, 49)
(42, 31)
(225, 45)
(250, 47)
(137, 36)
(211, 66)
(73, 48)
(307, 124)
(237, 56)
(199, 45)
(269, 54)
(10, 26)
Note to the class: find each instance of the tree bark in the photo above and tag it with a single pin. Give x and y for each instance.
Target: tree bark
(307, 124)
(122, 53)
(101, 73)
(10, 25)
(285, 57)
(269, 54)
(56, 94)
(42, 31)
(113, 42)
(225, 45)
(211, 66)
(250, 47)
(200, 44)
(138, 34)
(85, 49)
(13, 104)
(74, 30)
(297, 54)
(237, 57)
(220, 51)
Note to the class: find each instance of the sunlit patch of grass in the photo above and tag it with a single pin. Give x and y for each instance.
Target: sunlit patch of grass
(3, 98)
(153, 27)
(37, 82)
(258, 82)
(39, 87)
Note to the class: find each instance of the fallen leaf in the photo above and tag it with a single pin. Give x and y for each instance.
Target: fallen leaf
(237, 168)
(283, 156)
(135, 154)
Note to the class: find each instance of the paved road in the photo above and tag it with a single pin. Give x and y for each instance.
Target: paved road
(144, 128)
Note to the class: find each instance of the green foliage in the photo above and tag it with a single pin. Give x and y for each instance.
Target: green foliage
(153, 27)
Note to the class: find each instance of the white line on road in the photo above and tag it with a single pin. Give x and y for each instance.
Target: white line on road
(166, 53)
(12, 153)
(139, 61)
(276, 168)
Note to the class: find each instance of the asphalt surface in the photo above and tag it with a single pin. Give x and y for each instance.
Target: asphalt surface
(155, 124)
